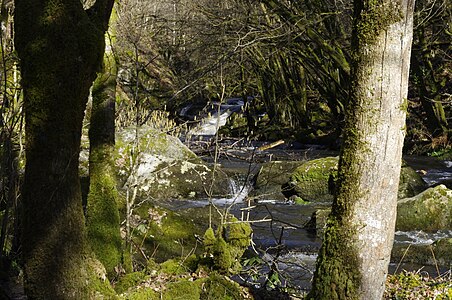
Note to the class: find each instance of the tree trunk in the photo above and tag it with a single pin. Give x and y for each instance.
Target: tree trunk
(60, 46)
(102, 210)
(354, 257)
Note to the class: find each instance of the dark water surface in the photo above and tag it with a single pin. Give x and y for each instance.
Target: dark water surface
(280, 223)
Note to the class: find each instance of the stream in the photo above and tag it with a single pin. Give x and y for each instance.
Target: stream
(281, 223)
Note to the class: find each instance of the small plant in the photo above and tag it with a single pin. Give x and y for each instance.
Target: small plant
(416, 285)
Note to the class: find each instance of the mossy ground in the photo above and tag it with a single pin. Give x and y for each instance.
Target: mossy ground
(174, 280)
(416, 285)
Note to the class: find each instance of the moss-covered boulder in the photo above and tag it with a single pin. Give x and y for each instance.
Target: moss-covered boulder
(314, 181)
(271, 177)
(164, 234)
(161, 167)
(164, 281)
(429, 211)
(224, 249)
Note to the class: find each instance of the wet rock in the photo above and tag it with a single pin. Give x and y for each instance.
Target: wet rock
(318, 221)
(411, 182)
(429, 211)
(271, 177)
(314, 181)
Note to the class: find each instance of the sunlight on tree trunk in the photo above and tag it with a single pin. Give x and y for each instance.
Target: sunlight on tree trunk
(102, 209)
(353, 261)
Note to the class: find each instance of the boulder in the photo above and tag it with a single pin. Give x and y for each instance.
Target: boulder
(271, 177)
(160, 166)
(411, 182)
(429, 211)
(314, 181)
(164, 167)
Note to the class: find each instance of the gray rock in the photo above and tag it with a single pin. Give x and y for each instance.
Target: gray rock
(160, 166)
(429, 211)
(270, 178)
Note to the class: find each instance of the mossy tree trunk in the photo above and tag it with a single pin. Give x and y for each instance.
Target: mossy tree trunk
(354, 257)
(102, 210)
(60, 46)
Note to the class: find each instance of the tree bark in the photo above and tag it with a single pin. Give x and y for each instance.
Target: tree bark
(102, 210)
(353, 261)
(60, 46)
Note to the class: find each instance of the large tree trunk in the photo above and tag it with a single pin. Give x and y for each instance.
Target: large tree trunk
(102, 210)
(354, 257)
(60, 46)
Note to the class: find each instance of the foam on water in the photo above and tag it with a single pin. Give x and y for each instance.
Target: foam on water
(420, 237)
(239, 192)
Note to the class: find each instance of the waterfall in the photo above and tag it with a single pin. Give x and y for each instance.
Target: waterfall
(238, 193)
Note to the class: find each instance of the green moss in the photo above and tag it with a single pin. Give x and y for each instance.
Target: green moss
(128, 281)
(300, 201)
(310, 181)
(102, 211)
(225, 249)
(337, 275)
(142, 294)
(429, 211)
(375, 17)
(182, 290)
(219, 287)
(209, 240)
(99, 285)
(172, 267)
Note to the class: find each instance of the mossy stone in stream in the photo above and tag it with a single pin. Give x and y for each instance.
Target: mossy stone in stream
(429, 211)
(315, 181)
(311, 180)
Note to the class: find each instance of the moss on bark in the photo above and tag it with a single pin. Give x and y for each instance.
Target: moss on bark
(102, 209)
(354, 258)
(60, 49)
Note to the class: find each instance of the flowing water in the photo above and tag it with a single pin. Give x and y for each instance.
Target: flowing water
(279, 230)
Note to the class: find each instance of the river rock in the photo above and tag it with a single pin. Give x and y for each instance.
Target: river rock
(163, 167)
(271, 177)
(314, 181)
(429, 211)
(410, 183)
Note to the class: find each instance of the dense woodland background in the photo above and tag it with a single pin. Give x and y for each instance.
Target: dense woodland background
(292, 57)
